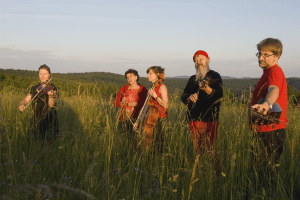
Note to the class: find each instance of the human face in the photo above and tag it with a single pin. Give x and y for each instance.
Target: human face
(267, 59)
(44, 75)
(201, 61)
(131, 78)
(152, 76)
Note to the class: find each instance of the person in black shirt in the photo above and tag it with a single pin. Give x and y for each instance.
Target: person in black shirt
(44, 122)
(202, 94)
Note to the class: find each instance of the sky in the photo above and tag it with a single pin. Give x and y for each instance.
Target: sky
(116, 35)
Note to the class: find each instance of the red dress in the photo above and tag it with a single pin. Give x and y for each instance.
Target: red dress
(152, 101)
(132, 96)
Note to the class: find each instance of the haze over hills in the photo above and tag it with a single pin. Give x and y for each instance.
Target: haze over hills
(223, 77)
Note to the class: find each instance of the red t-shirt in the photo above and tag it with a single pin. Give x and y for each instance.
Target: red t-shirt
(272, 76)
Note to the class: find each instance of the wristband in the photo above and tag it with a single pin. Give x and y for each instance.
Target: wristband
(270, 105)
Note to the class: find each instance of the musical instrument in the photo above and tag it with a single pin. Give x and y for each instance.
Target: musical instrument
(204, 83)
(148, 115)
(271, 117)
(45, 88)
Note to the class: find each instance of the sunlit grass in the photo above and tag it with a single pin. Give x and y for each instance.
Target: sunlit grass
(92, 155)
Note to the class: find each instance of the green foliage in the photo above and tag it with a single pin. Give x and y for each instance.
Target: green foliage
(93, 160)
(92, 157)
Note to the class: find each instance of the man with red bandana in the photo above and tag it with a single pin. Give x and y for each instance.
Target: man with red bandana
(202, 94)
(270, 93)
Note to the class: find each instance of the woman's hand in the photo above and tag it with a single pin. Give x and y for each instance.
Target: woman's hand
(21, 107)
(152, 93)
(24, 102)
(132, 104)
(52, 96)
(123, 102)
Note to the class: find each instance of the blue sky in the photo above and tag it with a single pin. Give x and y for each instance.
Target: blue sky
(113, 36)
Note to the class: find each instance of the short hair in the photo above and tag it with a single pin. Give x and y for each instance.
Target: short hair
(272, 45)
(45, 67)
(158, 70)
(134, 72)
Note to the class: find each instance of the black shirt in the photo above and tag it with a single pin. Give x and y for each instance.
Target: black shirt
(207, 107)
(44, 121)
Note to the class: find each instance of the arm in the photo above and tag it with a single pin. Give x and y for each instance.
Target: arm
(119, 98)
(272, 96)
(215, 91)
(163, 100)
(24, 102)
(52, 95)
(188, 95)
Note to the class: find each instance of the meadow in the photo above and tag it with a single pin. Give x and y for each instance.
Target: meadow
(91, 159)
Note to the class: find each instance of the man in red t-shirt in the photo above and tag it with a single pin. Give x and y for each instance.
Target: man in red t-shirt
(270, 93)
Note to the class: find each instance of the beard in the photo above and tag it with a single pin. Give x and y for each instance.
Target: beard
(201, 72)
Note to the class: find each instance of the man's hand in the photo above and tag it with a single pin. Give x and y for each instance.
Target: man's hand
(262, 108)
(203, 84)
(194, 97)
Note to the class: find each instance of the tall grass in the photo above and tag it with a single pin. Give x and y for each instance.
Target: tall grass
(92, 159)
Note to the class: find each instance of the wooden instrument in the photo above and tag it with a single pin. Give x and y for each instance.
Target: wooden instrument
(271, 117)
(148, 115)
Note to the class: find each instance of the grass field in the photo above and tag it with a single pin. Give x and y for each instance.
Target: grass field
(92, 160)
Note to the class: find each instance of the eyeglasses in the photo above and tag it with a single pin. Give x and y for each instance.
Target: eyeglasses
(263, 55)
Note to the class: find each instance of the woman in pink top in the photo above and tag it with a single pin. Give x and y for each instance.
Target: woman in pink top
(130, 99)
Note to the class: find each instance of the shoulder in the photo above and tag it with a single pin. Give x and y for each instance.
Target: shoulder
(162, 87)
(214, 74)
(33, 88)
(276, 69)
(142, 88)
(125, 87)
(192, 78)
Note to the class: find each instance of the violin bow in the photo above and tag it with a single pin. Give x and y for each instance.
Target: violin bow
(37, 94)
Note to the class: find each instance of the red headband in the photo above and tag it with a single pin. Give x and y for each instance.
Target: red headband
(200, 52)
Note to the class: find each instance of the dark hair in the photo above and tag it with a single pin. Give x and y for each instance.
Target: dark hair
(132, 71)
(272, 45)
(158, 70)
(45, 67)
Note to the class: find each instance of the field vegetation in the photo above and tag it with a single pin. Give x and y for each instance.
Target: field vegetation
(91, 159)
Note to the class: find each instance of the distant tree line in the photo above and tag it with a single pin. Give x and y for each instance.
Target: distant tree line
(107, 84)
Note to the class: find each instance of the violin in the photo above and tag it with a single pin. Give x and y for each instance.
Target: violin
(45, 89)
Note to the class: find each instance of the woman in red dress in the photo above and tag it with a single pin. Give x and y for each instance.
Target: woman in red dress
(130, 100)
(159, 98)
